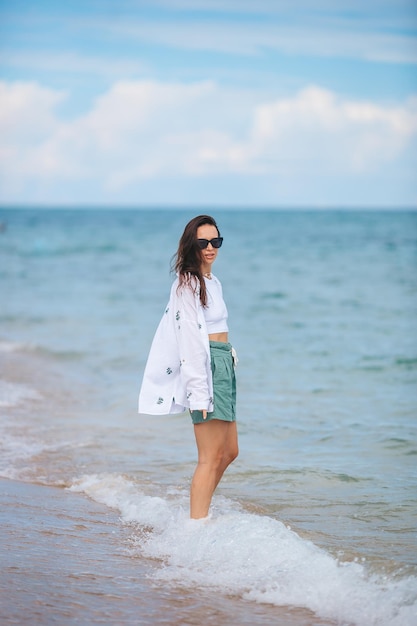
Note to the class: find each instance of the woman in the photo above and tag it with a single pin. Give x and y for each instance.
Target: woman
(191, 365)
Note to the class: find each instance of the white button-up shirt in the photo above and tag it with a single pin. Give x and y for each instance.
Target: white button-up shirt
(178, 371)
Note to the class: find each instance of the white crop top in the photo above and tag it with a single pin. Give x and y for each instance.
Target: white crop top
(215, 313)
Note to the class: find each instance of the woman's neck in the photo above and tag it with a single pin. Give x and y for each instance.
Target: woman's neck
(205, 270)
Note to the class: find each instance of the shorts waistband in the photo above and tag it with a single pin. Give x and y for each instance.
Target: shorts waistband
(221, 345)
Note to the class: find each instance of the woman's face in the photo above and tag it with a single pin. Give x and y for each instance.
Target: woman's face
(209, 254)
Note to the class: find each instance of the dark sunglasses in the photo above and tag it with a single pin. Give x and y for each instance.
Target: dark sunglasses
(216, 242)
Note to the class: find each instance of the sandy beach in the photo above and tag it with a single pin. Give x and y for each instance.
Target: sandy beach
(60, 555)
(68, 560)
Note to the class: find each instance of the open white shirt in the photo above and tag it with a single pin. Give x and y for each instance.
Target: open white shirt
(178, 371)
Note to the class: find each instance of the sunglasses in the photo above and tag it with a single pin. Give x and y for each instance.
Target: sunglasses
(216, 242)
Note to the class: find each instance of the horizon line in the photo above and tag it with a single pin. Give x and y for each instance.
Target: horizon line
(189, 206)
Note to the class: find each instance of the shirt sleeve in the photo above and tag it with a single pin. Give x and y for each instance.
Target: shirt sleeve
(194, 357)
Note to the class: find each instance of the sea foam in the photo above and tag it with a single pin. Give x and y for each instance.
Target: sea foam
(253, 556)
(13, 394)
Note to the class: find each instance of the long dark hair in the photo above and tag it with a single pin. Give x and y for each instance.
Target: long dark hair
(187, 260)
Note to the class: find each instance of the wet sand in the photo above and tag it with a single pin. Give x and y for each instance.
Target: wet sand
(62, 561)
(67, 560)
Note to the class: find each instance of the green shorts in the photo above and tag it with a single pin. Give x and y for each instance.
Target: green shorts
(224, 385)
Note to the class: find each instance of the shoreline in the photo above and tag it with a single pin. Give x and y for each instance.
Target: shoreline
(69, 560)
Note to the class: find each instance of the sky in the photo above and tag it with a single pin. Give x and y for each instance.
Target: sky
(240, 103)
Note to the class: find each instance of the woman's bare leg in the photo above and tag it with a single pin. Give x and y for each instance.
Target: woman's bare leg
(217, 448)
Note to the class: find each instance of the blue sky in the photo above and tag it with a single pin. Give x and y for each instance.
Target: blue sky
(209, 103)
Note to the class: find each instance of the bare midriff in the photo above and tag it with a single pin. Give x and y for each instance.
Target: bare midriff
(222, 337)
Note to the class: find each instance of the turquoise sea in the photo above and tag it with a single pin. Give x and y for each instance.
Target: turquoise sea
(315, 523)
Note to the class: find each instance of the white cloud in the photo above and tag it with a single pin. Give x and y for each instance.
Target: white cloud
(145, 130)
(26, 119)
(27, 111)
(319, 128)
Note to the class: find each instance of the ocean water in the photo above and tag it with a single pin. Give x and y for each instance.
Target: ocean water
(315, 522)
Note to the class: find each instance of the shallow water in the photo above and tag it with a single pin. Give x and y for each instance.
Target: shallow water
(318, 512)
